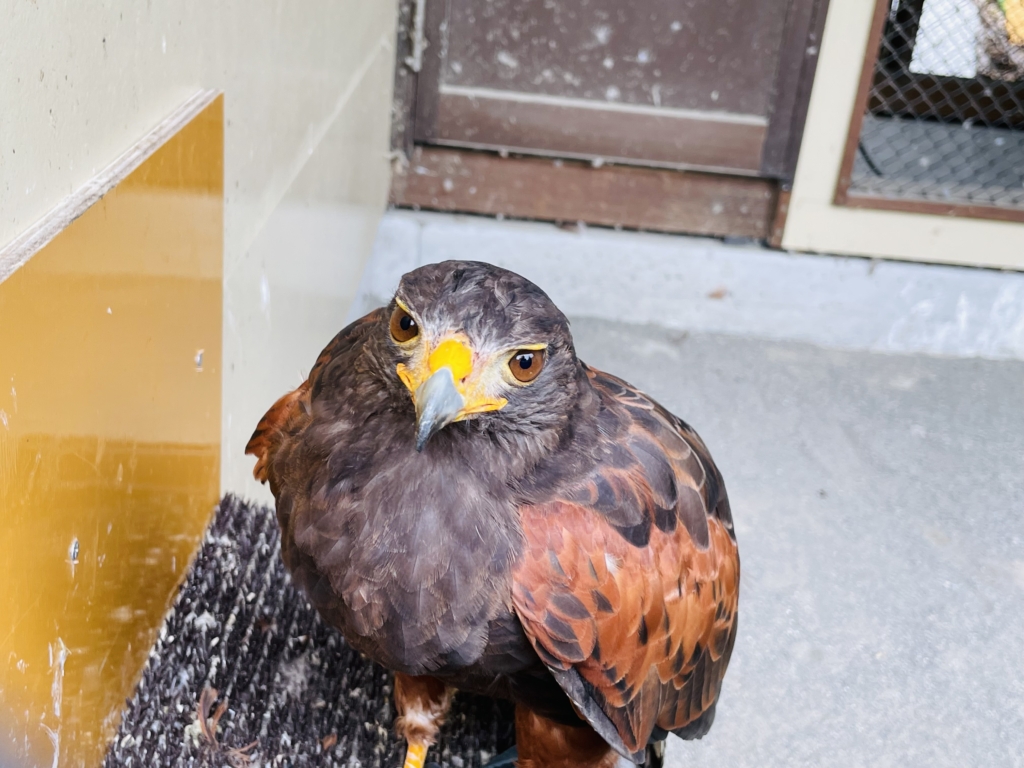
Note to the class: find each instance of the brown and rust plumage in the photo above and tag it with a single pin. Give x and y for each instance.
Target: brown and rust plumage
(562, 541)
(628, 584)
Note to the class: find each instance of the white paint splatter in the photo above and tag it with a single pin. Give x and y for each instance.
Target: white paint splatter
(612, 93)
(265, 296)
(194, 732)
(55, 743)
(602, 33)
(205, 621)
(295, 676)
(58, 655)
(1018, 570)
(122, 614)
(963, 315)
(903, 383)
(73, 549)
(507, 59)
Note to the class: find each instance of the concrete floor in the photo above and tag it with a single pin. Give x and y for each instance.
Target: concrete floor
(878, 495)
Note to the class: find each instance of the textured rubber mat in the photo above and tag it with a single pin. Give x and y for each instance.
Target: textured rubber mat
(245, 673)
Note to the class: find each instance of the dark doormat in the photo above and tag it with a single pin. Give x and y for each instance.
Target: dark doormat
(245, 673)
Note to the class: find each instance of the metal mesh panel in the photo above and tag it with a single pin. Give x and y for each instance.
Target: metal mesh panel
(945, 113)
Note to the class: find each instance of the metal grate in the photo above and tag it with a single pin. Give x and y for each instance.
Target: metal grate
(945, 112)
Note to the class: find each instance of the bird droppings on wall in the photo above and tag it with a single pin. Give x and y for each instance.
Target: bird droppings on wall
(58, 656)
(73, 556)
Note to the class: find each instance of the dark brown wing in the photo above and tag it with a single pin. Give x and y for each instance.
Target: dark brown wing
(291, 412)
(629, 581)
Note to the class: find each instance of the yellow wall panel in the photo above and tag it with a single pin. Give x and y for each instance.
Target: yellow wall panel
(110, 409)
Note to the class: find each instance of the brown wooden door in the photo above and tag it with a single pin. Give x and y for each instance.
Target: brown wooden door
(698, 84)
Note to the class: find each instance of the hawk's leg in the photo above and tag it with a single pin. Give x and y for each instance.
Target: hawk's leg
(543, 743)
(421, 703)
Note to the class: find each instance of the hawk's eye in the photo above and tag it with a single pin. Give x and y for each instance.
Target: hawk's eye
(526, 364)
(403, 327)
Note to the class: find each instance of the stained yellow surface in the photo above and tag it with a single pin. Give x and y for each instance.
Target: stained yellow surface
(110, 381)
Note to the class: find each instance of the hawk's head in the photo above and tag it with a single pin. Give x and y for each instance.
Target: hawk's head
(471, 341)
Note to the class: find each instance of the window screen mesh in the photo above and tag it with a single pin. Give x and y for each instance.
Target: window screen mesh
(945, 113)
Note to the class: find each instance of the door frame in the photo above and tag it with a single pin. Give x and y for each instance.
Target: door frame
(921, 83)
(773, 167)
(816, 223)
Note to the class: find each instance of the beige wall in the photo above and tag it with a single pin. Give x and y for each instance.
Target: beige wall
(814, 224)
(307, 98)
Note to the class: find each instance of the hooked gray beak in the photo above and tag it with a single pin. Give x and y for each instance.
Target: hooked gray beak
(438, 403)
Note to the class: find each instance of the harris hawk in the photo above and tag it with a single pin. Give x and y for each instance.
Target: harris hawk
(476, 509)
